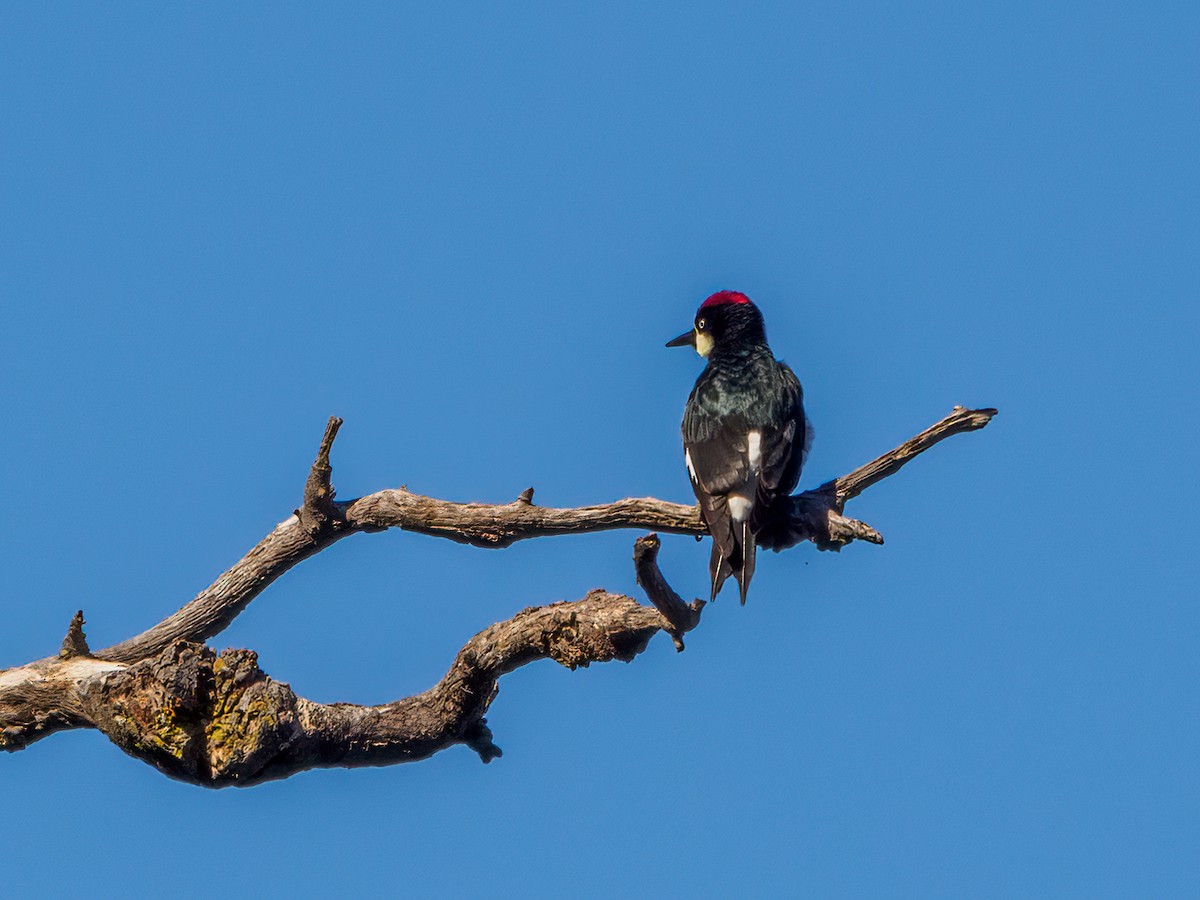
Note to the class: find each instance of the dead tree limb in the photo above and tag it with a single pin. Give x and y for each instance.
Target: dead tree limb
(217, 720)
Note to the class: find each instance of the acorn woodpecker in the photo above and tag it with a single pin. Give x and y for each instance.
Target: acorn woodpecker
(745, 434)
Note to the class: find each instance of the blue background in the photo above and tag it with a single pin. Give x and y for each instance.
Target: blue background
(469, 231)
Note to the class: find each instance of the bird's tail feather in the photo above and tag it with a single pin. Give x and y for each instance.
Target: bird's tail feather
(725, 558)
(720, 567)
(748, 553)
(734, 555)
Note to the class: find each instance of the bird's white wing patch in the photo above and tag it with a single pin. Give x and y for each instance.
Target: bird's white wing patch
(741, 505)
(687, 458)
(754, 450)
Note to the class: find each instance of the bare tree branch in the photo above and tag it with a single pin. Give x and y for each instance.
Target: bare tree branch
(811, 516)
(218, 720)
(318, 512)
(231, 724)
(961, 420)
(682, 617)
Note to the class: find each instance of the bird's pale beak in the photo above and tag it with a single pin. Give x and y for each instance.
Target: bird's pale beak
(687, 339)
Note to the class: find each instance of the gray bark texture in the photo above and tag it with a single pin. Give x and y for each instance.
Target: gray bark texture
(217, 719)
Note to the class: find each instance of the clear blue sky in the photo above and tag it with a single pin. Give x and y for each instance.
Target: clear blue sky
(469, 232)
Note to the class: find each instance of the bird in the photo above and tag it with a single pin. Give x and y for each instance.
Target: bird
(745, 432)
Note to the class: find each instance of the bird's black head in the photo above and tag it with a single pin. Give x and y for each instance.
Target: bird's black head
(725, 322)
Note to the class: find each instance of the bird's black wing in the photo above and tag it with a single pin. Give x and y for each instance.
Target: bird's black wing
(784, 445)
(718, 462)
(784, 450)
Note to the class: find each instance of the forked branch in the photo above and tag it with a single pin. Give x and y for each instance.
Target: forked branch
(218, 720)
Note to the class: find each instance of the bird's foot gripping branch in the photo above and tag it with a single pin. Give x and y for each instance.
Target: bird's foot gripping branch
(218, 719)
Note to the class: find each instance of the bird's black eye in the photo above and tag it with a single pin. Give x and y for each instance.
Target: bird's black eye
(701, 324)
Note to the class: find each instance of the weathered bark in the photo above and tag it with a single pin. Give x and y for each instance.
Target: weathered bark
(219, 720)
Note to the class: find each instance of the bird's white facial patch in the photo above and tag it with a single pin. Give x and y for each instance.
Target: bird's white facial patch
(739, 507)
(704, 343)
(754, 450)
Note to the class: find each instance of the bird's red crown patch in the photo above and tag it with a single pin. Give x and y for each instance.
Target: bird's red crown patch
(720, 298)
